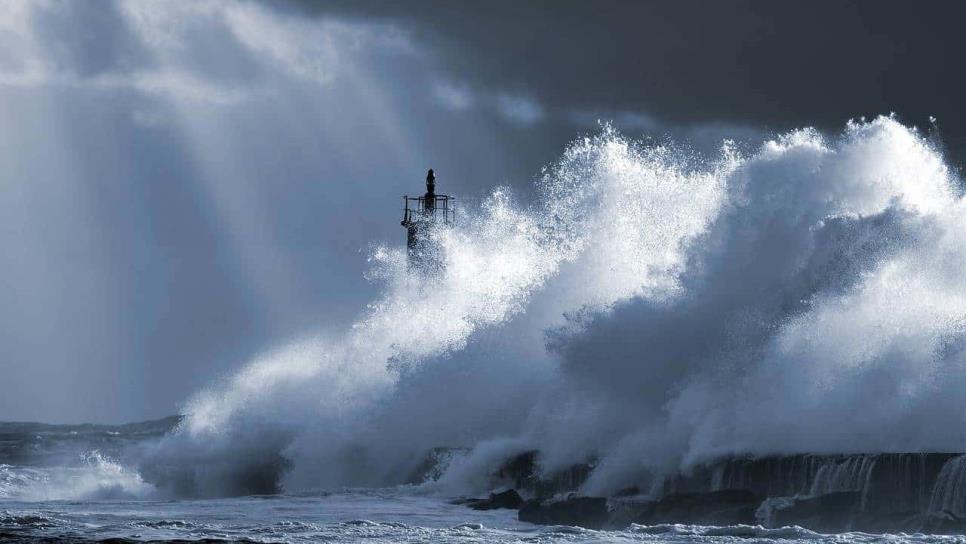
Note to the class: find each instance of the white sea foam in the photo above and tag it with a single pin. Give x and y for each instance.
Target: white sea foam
(93, 477)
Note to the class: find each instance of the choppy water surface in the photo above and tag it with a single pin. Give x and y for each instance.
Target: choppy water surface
(80, 483)
(346, 516)
(389, 515)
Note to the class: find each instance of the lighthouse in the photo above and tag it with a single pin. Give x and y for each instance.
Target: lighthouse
(421, 214)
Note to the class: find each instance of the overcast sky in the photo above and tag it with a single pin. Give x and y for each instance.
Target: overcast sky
(186, 184)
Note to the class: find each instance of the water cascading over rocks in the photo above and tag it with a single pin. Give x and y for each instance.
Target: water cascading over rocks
(883, 484)
(889, 492)
(948, 496)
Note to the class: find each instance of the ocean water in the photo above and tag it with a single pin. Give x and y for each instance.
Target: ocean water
(80, 484)
(387, 515)
(382, 515)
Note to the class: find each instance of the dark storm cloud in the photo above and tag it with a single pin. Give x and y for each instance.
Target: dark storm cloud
(771, 64)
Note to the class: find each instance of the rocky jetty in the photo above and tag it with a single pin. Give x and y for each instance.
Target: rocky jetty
(889, 492)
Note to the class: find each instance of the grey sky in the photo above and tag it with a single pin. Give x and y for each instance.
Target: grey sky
(187, 184)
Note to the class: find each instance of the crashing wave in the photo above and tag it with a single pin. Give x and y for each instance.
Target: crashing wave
(653, 309)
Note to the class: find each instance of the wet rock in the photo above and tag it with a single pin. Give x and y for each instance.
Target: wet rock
(587, 512)
(727, 507)
(434, 464)
(519, 469)
(829, 513)
(628, 492)
(521, 472)
(943, 523)
(507, 499)
(625, 511)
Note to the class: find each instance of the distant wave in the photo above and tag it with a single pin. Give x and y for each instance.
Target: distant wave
(95, 477)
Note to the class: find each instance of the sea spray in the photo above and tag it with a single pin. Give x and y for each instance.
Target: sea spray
(309, 407)
(652, 309)
(820, 311)
(93, 476)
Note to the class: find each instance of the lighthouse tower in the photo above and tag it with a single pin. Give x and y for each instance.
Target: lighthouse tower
(421, 214)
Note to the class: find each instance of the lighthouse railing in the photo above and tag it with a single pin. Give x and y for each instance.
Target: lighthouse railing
(443, 209)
